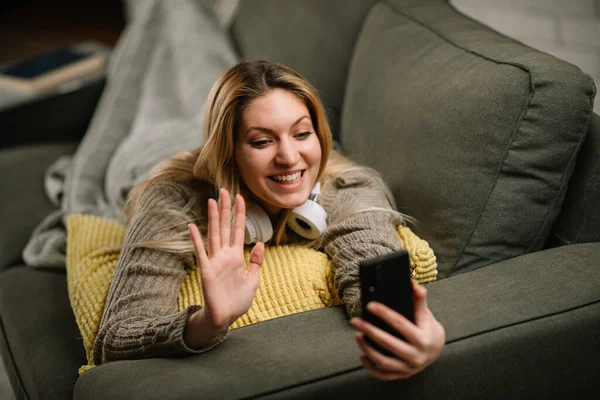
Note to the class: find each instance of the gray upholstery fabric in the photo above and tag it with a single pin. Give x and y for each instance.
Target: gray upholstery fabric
(475, 133)
(314, 37)
(522, 328)
(492, 372)
(534, 295)
(37, 323)
(22, 172)
(579, 219)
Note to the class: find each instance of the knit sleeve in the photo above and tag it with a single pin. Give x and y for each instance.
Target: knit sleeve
(141, 317)
(354, 232)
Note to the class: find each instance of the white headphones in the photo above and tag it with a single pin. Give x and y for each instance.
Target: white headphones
(307, 220)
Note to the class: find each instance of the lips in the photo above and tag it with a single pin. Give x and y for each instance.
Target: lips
(290, 177)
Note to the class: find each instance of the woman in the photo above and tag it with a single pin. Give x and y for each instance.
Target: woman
(266, 142)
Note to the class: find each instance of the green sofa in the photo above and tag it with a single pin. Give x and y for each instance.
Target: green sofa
(490, 144)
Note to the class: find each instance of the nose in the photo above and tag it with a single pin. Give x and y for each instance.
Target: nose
(287, 153)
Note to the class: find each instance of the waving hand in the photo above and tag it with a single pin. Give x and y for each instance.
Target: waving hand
(227, 287)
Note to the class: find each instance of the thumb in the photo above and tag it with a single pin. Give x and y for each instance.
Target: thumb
(257, 257)
(420, 297)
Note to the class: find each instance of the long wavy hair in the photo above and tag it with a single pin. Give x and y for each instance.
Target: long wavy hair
(214, 161)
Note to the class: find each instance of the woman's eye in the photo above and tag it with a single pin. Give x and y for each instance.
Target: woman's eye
(259, 143)
(304, 135)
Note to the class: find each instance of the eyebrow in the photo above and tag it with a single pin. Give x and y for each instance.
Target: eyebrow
(267, 130)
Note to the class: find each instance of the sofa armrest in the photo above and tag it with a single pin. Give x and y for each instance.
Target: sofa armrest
(522, 328)
(521, 289)
(53, 118)
(24, 202)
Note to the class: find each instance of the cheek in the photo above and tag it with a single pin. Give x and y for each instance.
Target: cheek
(254, 164)
(314, 152)
(250, 165)
(241, 161)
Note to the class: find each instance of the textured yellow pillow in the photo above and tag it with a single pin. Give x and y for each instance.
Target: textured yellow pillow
(293, 278)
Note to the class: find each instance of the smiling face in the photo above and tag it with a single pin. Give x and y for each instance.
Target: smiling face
(277, 151)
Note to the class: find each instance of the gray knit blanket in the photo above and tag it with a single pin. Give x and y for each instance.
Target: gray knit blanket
(158, 79)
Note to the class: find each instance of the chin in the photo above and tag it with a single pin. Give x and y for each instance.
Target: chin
(291, 203)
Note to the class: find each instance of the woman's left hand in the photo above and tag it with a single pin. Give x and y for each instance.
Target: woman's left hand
(423, 342)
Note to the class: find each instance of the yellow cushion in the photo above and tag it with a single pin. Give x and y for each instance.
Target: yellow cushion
(293, 278)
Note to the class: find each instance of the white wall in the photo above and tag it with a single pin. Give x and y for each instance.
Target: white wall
(567, 29)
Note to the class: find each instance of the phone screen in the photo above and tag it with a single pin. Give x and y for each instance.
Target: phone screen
(33, 67)
(387, 280)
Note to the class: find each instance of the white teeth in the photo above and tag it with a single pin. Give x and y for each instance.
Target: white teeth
(288, 178)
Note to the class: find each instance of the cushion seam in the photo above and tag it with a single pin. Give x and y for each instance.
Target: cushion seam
(516, 130)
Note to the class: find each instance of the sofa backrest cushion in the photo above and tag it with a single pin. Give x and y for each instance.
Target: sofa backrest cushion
(476, 134)
(579, 218)
(314, 37)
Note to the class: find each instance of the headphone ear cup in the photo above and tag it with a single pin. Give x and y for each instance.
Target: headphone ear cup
(258, 225)
(308, 220)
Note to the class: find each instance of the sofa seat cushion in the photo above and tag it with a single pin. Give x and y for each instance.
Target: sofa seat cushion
(543, 306)
(24, 202)
(476, 134)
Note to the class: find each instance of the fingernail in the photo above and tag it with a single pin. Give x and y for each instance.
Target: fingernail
(372, 307)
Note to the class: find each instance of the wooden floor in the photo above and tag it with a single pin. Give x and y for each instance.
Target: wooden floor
(31, 27)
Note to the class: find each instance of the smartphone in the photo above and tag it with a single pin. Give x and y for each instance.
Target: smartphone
(387, 280)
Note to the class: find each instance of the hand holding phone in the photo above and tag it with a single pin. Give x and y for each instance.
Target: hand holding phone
(387, 280)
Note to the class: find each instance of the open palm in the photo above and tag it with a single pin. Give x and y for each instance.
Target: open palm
(228, 287)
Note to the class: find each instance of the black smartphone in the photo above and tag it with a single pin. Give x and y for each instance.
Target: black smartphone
(386, 279)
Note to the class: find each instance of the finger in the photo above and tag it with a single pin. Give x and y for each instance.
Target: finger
(418, 288)
(239, 226)
(372, 370)
(257, 257)
(396, 346)
(214, 241)
(198, 246)
(397, 321)
(381, 361)
(420, 300)
(225, 217)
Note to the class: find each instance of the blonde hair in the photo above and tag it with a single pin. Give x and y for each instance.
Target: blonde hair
(214, 160)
